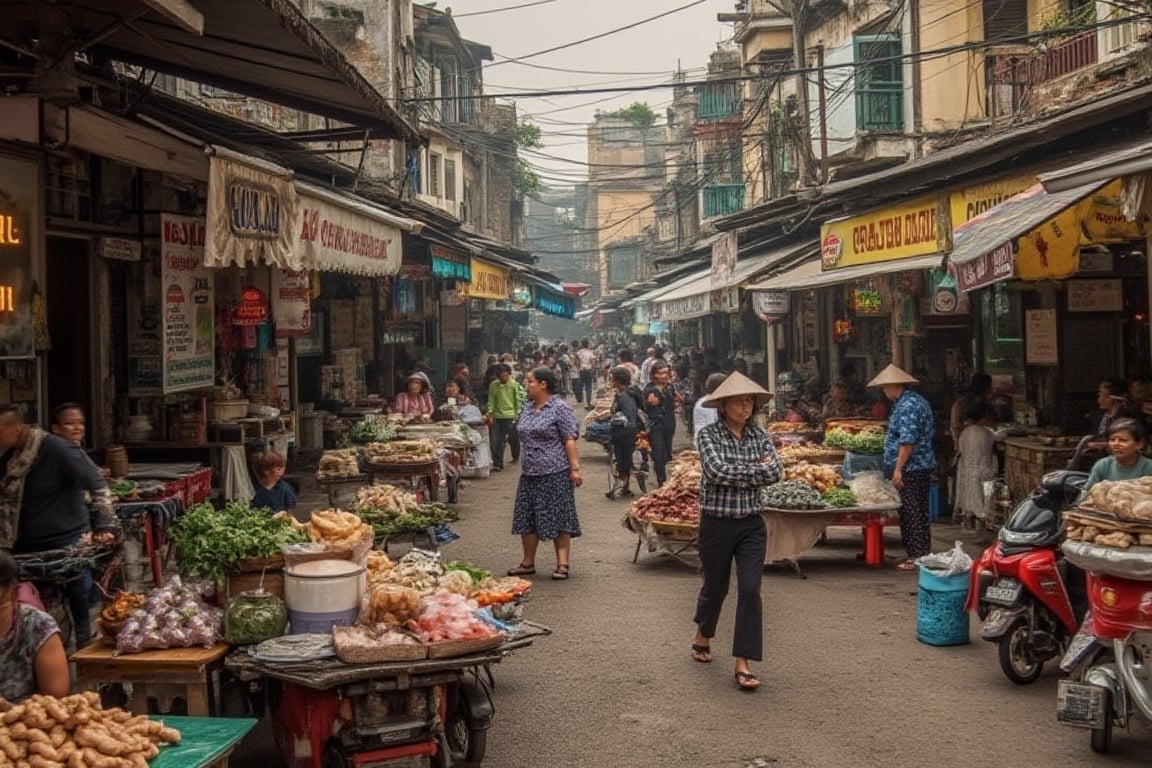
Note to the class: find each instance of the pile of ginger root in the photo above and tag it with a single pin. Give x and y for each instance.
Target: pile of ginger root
(76, 732)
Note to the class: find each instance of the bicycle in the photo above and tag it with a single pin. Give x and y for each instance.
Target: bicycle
(639, 465)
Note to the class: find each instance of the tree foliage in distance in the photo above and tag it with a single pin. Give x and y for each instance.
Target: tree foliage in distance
(638, 113)
(528, 136)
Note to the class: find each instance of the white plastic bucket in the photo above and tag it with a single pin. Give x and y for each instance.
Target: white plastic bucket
(324, 586)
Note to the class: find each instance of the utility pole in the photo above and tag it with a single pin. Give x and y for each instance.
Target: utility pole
(800, 63)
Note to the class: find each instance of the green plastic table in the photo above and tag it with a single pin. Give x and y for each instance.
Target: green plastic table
(205, 741)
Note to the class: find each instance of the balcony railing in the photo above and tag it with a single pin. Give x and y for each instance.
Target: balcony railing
(1014, 74)
(722, 199)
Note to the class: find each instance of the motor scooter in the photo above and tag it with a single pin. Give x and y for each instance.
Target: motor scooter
(1109, 661)
(1019, 587)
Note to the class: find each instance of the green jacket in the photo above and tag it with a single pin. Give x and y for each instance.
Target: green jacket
(505, 401)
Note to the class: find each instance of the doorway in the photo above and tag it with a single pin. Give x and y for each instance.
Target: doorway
(69, 370)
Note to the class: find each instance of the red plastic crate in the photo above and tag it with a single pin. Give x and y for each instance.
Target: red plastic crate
(198, 486)
(176, 488)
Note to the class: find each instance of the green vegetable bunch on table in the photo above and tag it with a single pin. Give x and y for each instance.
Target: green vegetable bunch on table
(385, 522)
(209, 542)
(840, 497)
(869, 440)
(476, 573)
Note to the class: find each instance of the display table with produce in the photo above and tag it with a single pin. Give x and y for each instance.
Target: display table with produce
(194, 670)
(812, 498)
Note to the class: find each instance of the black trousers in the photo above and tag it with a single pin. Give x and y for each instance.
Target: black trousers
(501, 431)
(660, 438)
(722, 540)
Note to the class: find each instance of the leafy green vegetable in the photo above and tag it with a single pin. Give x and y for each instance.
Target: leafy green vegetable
(840, 497)
(870, 440)
(386, 522)
(209, 542)
(476, 573)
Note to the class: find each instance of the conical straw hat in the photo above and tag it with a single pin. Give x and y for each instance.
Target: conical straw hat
(735, 385)
(892, 375)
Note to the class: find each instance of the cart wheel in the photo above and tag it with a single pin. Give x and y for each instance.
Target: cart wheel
(466, 743)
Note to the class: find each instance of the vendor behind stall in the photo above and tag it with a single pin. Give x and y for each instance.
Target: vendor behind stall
(1126, 440)
(909, 457)
(416, 399)
(838, 402)
(32, 658)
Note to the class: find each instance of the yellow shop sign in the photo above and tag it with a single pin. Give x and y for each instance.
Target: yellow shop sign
(970, 202)
(919, 228)
(488, 281)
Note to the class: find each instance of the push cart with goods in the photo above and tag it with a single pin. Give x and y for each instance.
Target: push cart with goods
(432, 712)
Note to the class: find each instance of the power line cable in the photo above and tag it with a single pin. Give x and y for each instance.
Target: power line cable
(599, 36)
(501, 10)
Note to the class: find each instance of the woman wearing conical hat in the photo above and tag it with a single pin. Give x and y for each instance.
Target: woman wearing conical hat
(909, 458)
(737, 459)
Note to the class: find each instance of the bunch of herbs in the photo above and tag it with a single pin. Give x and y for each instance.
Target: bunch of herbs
(210, 542)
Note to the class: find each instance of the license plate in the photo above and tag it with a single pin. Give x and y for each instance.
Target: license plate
(1003, 592)
(1080, 705)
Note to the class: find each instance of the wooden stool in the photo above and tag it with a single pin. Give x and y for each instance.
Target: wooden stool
(195, 671)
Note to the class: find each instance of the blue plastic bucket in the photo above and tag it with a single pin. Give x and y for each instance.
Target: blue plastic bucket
(940, 615)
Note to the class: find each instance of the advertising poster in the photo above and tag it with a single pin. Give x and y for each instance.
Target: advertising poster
(291, 302)
(188, 307)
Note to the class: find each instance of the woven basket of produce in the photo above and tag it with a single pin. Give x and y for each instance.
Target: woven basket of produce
(675, 531)
(446, 649)
(375, 644)
(258, 564)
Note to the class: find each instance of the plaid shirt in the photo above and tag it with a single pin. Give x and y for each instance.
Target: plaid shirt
(733, 471)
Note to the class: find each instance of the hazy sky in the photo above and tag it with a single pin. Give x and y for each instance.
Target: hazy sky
(648, 54)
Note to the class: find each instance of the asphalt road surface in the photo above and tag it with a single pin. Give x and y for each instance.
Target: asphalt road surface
(845, 681)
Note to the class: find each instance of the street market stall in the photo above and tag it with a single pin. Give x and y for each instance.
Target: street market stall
(667, 520)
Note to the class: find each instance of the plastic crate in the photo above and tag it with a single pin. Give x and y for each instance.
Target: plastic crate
(198, 486)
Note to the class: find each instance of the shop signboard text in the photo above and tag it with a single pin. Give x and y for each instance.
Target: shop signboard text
(187, 320)
(19, 212)
(919, 228)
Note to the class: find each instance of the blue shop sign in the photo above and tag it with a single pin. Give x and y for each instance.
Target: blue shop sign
(551, 303)
(446, 265)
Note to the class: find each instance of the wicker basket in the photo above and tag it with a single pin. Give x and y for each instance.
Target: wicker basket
(676, 531)
(352, 653)
(227, 410)
(447, 649)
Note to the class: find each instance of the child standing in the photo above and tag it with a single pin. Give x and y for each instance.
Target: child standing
(272, 492)
(977, 463)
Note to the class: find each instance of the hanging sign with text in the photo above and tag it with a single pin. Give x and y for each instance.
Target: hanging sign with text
(188, 306)
(918, 228)
(19, 218)
(291, 302)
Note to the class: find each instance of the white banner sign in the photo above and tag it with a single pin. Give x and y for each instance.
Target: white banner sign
(252, 216)
(335, 238)
(186, 297)
(291, 302)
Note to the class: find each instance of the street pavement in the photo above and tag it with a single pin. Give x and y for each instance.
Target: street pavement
(845, 681)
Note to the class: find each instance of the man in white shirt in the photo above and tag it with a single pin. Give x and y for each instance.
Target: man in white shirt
(646, 368)
(586, 362)
(702, 416)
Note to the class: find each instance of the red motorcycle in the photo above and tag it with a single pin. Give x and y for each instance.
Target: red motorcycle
(1110, 660)
(1019, 586)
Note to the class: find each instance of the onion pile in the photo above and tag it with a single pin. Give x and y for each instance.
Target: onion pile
(678, 500)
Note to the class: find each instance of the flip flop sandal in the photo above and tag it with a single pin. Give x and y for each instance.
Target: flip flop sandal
(746, 681)
(907, 566)
(522, 570)
(702, 653)
(561, 573)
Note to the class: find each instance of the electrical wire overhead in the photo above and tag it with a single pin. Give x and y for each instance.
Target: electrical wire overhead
(501, 10)
(599, 36)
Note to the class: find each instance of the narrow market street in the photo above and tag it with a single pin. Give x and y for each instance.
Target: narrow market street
(846, 681)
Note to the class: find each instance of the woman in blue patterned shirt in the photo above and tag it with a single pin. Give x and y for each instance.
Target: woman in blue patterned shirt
(737, 459)
(909, 458)
(545, 506)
